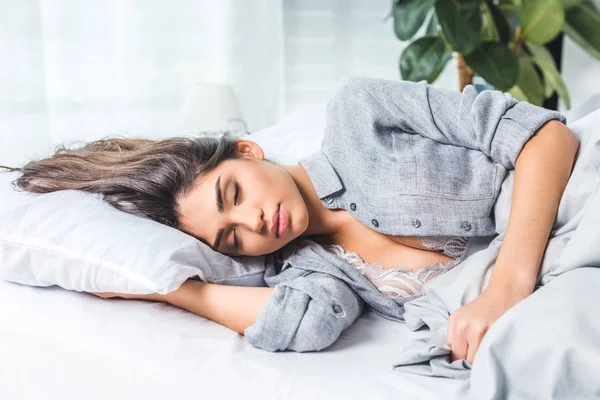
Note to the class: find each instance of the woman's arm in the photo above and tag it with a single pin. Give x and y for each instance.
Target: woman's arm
(541, 175)
(491, 122)
(306, 313)
(542, 171)
(235, 307)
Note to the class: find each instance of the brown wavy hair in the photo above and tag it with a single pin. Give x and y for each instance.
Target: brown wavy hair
(138, 176)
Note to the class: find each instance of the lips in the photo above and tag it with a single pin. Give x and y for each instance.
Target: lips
(282, 224)
(275, 221)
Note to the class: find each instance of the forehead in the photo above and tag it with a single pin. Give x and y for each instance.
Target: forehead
(198, 206)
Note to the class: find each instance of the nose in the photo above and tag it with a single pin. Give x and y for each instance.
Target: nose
(252, 219)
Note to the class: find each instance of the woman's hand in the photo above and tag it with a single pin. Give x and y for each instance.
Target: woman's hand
(469, 324)
(150, 297)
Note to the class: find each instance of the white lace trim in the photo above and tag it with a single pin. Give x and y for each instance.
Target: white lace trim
(400, 284)
(452, 246)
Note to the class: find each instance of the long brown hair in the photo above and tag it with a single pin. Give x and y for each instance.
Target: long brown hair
(137, 176)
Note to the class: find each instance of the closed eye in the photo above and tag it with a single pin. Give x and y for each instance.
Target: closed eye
(236, 244)
(237, 194)
(236, 199)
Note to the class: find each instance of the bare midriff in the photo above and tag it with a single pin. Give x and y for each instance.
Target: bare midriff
(389, 251)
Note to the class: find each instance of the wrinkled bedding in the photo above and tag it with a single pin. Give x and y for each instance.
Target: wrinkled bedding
(547, 346)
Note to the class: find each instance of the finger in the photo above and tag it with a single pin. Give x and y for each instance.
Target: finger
(473, 347)
(104, 295)
(459, 346)
(450, 332)
(474, 342)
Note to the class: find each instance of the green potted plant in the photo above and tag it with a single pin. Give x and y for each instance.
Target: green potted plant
(502, 41)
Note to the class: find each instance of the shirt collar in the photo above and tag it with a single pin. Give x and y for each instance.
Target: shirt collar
(320, 171)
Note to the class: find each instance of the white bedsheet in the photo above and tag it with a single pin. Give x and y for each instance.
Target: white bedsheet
(57, 344)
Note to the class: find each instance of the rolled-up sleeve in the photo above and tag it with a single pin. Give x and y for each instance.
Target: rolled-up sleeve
(307, 313)
(491, 121)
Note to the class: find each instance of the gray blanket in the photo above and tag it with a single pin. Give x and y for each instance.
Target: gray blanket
(547, 346)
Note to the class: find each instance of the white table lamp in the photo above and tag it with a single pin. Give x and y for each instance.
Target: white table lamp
(212, 110)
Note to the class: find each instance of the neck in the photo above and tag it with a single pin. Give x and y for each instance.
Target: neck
(322, 221)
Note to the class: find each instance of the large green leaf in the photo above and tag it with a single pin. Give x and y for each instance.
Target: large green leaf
(500, 21)
(529, 86)
(423, 59)
(432, 29)
(507, 3)
(583, 26)
(489, 33)
(461, 23)
(590, 4)
(409, 15)
(570, 3)
(440, 67)
(510, 8)
(495, 63)
(552, 79)
(541, 20)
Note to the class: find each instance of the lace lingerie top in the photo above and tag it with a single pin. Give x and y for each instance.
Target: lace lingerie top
(404, 285)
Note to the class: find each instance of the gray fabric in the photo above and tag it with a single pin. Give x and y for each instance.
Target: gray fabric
(417, 160)
(398, 151)
(317, 295)
(546, 346)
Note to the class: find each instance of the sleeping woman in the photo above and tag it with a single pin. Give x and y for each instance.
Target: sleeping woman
(407, 174)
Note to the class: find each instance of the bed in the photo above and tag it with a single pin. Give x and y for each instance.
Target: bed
(59, 344)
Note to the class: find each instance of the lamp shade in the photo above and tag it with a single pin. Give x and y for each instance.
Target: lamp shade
(210, 107)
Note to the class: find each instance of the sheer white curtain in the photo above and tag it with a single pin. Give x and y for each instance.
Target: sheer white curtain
(78, 70)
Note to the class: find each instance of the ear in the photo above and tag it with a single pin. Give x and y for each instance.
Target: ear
(248, 148)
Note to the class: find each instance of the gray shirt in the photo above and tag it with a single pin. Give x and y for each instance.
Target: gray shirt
(405, 159)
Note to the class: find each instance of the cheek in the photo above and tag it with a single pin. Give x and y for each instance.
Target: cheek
(259, 246)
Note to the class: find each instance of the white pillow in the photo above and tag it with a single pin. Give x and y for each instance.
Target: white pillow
(77, 241)
(295, 136)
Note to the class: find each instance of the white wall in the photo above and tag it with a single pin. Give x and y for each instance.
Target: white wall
(326, 40)
(580, 71)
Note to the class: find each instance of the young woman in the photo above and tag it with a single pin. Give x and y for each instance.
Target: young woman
(406, 175)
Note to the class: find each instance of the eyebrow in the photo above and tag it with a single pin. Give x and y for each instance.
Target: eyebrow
(219, 199)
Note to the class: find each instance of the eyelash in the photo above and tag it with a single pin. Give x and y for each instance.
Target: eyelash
(235, 201)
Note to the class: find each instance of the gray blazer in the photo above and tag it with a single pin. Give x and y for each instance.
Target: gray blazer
(405, 159)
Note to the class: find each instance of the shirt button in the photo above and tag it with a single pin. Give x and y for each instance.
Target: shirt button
(353, 206)
(375, 223)
(465, 226)
(416, 223)
(328, 199)
(337, 308)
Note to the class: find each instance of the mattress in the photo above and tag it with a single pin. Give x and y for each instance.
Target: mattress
(59, 344)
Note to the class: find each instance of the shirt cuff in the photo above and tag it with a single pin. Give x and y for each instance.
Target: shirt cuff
(516, 127)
